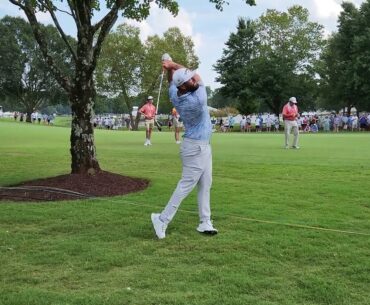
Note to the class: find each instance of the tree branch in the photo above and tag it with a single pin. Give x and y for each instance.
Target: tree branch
(105, 25)
(17, 3)
(35, 26)
(49, 6)
(72, 5)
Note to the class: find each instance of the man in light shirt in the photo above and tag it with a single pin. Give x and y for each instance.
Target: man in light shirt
(290, 115)
(148, 110)
(189, 97)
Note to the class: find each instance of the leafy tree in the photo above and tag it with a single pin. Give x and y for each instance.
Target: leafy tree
(362, 57)
(233, 67)
(30, 84)
(268, 60)
(337, 70)
(80, 88)
(119, 68)
(130, 70)
(218, 100)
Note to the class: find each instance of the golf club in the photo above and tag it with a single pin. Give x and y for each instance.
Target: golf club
(159, 126)
(165, 56)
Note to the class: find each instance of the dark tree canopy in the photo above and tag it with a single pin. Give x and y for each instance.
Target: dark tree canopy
(268, 60)
(345, 65)
(27, 83)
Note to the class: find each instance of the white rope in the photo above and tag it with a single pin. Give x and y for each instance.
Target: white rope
(247, 219)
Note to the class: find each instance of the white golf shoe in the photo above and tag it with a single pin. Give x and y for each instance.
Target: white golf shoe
(206, 227)
(159, 226)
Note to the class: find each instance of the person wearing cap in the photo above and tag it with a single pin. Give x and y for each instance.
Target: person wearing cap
(290, 115)
(148, 110)
(189, 97)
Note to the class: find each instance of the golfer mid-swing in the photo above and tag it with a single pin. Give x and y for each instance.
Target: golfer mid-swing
(189, 97)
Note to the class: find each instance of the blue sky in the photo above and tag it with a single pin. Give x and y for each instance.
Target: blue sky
(208, 27)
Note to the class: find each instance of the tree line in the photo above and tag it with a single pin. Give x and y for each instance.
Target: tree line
(79, 86)
(127, 72)
(283, 54)
(263, 63)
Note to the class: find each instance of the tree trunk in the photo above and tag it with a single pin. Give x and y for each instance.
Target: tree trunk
(83, 150)
(136, 122)
(349, 107)
(28, 117)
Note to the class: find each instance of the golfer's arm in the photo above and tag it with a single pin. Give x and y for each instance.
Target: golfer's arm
(171, 67)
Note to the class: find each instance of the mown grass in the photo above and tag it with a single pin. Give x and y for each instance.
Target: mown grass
(103, 251)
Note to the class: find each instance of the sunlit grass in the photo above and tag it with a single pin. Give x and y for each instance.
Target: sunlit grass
(103, 251)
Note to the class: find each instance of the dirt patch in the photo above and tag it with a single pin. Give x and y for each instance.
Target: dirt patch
(73, 186)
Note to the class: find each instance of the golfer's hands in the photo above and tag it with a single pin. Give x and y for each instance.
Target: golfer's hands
(168, 64)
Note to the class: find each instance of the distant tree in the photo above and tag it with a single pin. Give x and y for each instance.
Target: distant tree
(218, 100)
(28, 83)
(268, 60)
(130, 70)
(118, 71)
(362, 58)
(337, 70)
(233, 68)
(80, 88)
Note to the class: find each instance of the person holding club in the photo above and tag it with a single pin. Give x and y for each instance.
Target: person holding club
(188, 95)
(290, 116)
(149, 112)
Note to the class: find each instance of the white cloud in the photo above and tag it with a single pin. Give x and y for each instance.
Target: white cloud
(326, 9)
(160, 20)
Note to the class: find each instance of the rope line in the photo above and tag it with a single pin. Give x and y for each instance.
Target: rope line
(45, 189)
(248, 219)
(62, 191)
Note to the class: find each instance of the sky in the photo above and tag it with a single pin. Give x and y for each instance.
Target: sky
(208, 27)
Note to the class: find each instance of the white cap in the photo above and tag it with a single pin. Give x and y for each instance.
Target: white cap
(150, 97)
(293, 100)
(181, 76)
(166, 56)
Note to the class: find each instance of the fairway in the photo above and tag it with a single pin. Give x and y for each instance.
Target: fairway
(272, 208)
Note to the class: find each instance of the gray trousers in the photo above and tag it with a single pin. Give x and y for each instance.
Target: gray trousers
(196, 157)
(289, 125)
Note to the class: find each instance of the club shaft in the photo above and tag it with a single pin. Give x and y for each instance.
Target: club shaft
(159, 92)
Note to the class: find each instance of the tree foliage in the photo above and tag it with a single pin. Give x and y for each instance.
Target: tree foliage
(27, 83)
(345, 62)
(270, 59)
(129, 68)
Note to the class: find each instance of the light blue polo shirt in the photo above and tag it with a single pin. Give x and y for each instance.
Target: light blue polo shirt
(193, 111)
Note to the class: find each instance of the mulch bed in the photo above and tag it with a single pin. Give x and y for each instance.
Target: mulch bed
(73, 186)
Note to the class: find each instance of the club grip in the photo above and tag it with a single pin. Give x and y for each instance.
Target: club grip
(166, 56)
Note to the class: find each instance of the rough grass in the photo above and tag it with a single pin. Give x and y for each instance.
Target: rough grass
(104, 252)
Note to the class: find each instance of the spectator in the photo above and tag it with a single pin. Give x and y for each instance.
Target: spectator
(242, 124)
(290, 115)
(231, 123)
(336, 123)
(326, 124)
(248, 122)
(257, 124)
(277, 124)
(268, 123)
(363, 123)
(148, 110)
